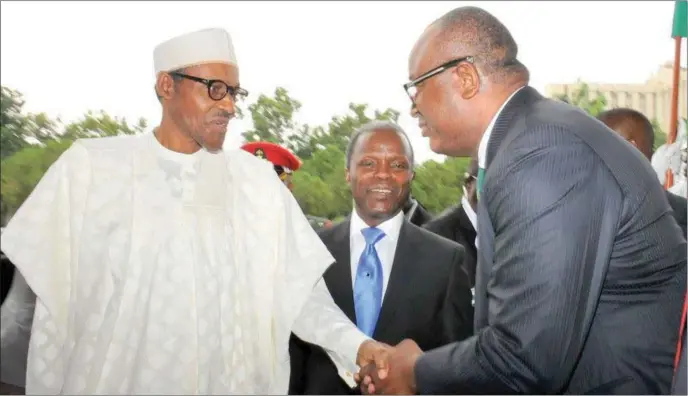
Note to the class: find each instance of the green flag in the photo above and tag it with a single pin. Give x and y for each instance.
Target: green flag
(679, 28)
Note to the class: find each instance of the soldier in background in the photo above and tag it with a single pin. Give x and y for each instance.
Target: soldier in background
(285, 164)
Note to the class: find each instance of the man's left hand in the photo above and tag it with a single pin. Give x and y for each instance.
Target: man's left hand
(399, 377)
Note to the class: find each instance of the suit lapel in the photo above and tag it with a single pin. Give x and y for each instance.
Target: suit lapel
(399, 282)
(504, 123)
(338, 276)
(524, 98)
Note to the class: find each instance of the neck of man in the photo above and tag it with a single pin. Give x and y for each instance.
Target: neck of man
(374, 221)
(172, 138)
(495, 96)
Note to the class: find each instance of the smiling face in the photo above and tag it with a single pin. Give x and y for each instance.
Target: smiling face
(379, 175)
(202, 120)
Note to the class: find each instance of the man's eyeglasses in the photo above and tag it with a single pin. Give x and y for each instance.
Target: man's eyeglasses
(411, 87)
(217, 89)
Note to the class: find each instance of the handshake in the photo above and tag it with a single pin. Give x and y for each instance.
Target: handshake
(387, 370)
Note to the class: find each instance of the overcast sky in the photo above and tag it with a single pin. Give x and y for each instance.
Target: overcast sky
(69, 57)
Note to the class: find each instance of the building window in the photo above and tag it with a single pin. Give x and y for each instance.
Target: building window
(629, 100)
(641, 103)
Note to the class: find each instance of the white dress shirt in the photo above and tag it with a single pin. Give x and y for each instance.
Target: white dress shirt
(470, 213)
(385, 248)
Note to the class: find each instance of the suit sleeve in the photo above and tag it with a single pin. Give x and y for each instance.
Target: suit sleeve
(458, 310)
(546, 209)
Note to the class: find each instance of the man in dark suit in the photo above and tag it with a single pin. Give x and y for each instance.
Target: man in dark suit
(390, 277)
(6, 276)
(459, 223)
(581, 266)
(636, 129)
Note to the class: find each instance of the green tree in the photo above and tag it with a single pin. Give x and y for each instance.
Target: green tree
(273, 117)
(273, 120)
(101, 124)
(340, 128)
(326, 166)
(18, 130)
(437, 185)
(338, 131)
(582, 98)
(23, 170)
(660, 136)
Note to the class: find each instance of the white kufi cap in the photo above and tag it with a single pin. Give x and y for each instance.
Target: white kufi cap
(204, 46)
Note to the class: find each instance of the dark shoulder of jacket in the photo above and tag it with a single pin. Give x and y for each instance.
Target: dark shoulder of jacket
(327, 234)
(435, 242)
(448, 217)
(677, 201)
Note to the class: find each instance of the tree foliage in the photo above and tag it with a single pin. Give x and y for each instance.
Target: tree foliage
(584, 99)
(30, 143)
(17, 130)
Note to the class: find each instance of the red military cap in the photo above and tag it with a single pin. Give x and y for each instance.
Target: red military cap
(274, 153)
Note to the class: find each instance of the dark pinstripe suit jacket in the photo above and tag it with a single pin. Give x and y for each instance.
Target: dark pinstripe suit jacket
(581, 269)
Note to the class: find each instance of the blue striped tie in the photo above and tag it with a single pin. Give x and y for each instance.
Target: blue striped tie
(368, 284)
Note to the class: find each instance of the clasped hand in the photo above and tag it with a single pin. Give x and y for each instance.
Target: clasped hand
(388, 370)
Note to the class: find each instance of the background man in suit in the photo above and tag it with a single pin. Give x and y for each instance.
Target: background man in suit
(390, 277)
(459, 223)
(415, 212)
(633, 126)
(581, 266)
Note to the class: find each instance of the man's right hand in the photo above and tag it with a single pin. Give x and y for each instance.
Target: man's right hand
(373, 353)
(394, 375)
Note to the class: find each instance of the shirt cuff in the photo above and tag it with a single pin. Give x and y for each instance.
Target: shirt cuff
(346, 365)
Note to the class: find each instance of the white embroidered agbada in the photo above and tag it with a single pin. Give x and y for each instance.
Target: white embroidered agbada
(165, 273)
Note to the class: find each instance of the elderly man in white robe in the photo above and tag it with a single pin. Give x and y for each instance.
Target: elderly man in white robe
(165, 265)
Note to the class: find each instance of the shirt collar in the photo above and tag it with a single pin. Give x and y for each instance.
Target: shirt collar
(482, 147)
(469, 212)
(391, 227)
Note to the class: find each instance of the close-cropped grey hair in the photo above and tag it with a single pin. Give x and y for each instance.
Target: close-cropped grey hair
(473, 31)
(377, 125)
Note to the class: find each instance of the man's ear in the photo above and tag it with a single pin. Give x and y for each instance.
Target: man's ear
(413, 176)
(165, 86)
(633, 142)
(467, 79)
(347, 177)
